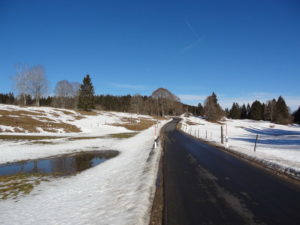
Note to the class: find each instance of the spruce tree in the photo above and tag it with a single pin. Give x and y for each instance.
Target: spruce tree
(235, 111)
(212, 109)
(297, 116)
(263, 106)
(200, 109)
(256, 111)
(270, 110)
(243, 112)
(86, 94)
(281, 114)
(248, 111)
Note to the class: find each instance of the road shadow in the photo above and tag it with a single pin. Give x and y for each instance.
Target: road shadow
(271, 141)
(272, 132)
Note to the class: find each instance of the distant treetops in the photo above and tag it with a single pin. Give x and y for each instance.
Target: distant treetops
(274, 111)
(31, 86)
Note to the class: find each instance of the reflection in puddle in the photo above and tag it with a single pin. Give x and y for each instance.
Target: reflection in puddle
(20, 177)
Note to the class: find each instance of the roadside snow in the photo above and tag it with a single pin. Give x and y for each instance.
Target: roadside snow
(118, 191)
(277, 144)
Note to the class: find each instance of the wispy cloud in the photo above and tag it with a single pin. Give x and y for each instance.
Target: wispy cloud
(128, 86)
(197, 37)
(193, 44)
(189, 25)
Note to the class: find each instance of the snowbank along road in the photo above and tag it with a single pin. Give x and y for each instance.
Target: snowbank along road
(204, 185)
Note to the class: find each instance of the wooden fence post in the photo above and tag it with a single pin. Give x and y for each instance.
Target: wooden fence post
(222, 141)
(255, 142)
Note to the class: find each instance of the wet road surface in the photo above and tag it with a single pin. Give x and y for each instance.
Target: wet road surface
(206, 186)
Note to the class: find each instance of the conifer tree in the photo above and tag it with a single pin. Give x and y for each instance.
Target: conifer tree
(226, 112)
(243, 112)
(270, 110)
(86, 94)
(235, 111)
(256, 111)
(200, 109)
(263, 106)
(248, 111)
(281, 114)
(212, 109)
(297, 116)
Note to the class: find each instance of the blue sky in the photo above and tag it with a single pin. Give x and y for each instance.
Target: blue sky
(242, 50)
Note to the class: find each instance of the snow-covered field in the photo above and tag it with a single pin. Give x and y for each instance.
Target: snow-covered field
(118, 191)
(95, 124)
(278, 145)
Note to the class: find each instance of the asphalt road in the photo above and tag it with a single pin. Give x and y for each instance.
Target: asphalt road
(206, 186)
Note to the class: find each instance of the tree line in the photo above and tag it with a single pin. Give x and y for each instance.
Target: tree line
(274, 110)
(31, 87)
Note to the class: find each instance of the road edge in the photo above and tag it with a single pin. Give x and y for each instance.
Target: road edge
(157, 211)
(276, 169)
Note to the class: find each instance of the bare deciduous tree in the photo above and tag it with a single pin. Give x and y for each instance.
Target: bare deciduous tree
(21, 81)
(165, 101)
(37, 82)
(65, 94)
(136, 103)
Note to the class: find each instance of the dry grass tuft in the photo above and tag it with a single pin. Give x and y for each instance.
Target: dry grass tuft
(134, 124)
(13, 186)
(123, 135)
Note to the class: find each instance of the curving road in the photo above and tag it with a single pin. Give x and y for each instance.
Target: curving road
(206, 186)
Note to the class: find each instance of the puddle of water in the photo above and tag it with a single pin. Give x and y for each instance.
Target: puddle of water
(20, 177)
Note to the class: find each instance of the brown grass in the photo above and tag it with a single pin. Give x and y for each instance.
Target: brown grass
(159, 117)
(84, 138)
(65, 112)
(19, 113)
(78, 117)
(136, 125)
(88, 113)
(23, 119)
(192, 123)
(123, 135)
(27, 137)
(29, 124)
(13, 186)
